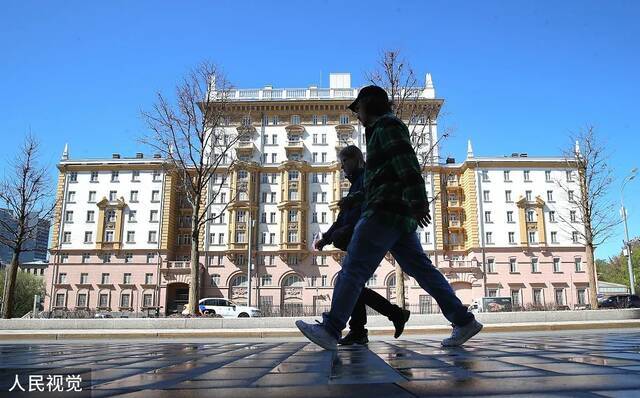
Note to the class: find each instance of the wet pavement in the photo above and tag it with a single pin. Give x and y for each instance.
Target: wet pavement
(583, 364)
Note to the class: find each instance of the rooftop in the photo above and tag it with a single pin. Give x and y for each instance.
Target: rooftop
(339, 89)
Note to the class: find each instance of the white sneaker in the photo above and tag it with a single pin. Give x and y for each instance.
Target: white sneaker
(318, 334)
(461, 334)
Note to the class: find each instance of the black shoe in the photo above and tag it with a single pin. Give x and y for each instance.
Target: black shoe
(399, 322)
(352, 337)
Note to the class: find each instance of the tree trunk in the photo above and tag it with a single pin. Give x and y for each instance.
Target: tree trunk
(399, 286)
(593, 276)
(9, 286)
(195, 260)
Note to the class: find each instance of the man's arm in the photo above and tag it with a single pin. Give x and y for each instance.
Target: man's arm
(327, 236)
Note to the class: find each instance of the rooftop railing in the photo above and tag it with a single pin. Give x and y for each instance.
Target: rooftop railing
(278, 94)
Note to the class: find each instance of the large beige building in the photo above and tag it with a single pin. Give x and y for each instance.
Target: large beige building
(121, 233)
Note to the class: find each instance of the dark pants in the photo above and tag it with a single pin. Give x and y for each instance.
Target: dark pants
(374, 300)
(371, 240)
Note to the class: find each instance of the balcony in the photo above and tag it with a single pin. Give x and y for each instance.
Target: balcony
(294, 147)
(461, 264)
(454, 204)
(176, 266)
(453, 185)
(345, 130)
(455, 225)
(245, 148)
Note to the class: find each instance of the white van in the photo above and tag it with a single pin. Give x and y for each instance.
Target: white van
(226, 309)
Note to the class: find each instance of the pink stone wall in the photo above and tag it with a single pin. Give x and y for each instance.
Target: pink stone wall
(469, 284)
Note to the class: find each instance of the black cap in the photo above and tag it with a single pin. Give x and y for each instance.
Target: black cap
(372, 91)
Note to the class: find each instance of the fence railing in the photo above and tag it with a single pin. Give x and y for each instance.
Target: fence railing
(311, 310)
(277, 311)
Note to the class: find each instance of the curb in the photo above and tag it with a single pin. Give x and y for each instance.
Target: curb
(116, 334)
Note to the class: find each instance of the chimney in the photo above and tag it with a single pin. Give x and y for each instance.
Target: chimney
(450, 160)
(523, 155)
(514, 155)
(115, 156)
(156, 156)
(65, 152)
(139, 155)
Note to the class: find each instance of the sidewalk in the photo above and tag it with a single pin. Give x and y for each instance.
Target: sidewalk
(603, 363)
(259, 333)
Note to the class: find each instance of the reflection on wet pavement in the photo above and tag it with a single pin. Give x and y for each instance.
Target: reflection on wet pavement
(591, 364)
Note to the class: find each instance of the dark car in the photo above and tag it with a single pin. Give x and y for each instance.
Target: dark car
(621, 301)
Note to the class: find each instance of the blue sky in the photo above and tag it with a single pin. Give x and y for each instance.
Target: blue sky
(517, 76)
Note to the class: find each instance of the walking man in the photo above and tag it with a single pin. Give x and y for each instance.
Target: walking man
(395, 205)
(340, 233)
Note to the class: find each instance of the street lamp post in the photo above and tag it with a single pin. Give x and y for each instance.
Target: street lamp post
(249, 258)
(627, 243)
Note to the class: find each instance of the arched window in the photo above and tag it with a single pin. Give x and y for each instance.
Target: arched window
(292, 280)
(239, 280)
(391, 281)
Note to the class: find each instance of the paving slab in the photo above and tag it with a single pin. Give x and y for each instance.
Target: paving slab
(603, 363)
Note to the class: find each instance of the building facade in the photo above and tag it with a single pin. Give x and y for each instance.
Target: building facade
(121, 236)
(35, 247)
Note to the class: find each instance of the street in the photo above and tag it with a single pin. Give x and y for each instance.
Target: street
(589, 363)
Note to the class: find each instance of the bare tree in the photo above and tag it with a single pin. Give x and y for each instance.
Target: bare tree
(596, 215)
(27, 195)
(396, 75)
(190, 134)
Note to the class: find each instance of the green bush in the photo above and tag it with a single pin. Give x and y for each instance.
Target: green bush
(27, 285)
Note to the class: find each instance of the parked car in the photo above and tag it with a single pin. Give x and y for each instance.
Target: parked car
(102, 315)
(621, 301)
(226, 309)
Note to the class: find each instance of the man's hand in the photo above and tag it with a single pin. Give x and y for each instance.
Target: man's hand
(320, 244)
(421, 213)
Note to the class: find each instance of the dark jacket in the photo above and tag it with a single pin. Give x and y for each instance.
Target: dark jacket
(340, 232)
(395, 187)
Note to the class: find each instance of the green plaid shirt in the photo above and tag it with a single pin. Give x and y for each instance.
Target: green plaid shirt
(394, 186)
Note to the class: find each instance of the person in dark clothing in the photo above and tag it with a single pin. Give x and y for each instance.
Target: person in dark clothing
(352, 163)
(395, 204)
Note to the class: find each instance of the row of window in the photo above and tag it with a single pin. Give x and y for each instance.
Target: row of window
(538, 297)
(214, 260)
(115, 176)
(508, 198)
(110, 216)
(534, 264)
(113, 196)
(104, 300)
(526, 174)
(273, 157)
(108, 258)
(293, 119)
(109, 236)
(185, 239)
(511, 237)
(530, 216)
(317, 139)
(127, 278)
(267, 280)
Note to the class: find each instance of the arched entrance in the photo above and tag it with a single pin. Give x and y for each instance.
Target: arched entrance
(177, 297)
(238, 289)
(292, 285)
(391, 288)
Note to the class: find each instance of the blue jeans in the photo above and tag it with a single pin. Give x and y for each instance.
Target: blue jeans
(370, 242)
